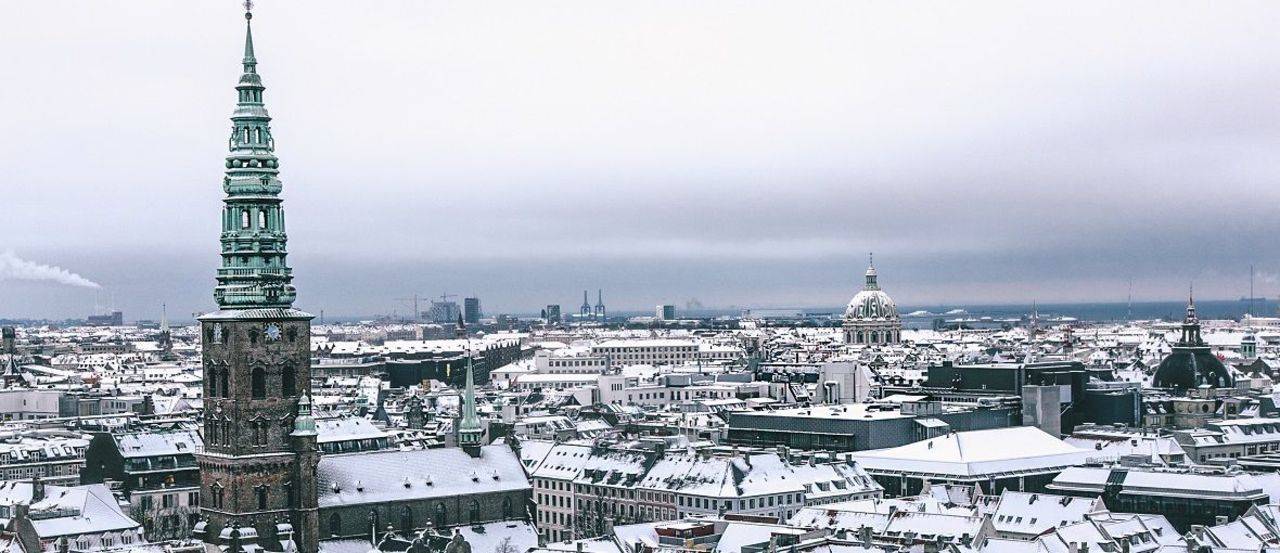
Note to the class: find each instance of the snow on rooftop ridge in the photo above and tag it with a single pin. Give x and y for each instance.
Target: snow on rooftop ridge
(977, 452)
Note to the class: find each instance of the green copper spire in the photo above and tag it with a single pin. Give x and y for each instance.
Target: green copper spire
(254, 272)
(470, 433)
(250, 62)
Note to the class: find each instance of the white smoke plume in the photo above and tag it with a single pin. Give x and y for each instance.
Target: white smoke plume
(13, 267)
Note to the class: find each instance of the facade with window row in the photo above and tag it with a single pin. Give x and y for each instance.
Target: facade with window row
(583, 491)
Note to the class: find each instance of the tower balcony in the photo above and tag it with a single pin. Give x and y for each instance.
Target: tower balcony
(273, 273)
(254, 294)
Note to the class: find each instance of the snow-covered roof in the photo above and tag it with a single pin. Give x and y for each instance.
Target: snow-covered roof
(1035, 513)
(150, 444)
(1173, 483)
(339, 429)
(389, 476)
(86, 509)
(975, 453)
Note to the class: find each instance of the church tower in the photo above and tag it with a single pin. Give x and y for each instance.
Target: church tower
(470, 431)
(257, 469)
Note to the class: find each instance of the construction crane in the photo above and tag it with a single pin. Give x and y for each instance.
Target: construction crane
(417, 313)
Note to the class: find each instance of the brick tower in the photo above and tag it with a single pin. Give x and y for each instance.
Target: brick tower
(258, 466)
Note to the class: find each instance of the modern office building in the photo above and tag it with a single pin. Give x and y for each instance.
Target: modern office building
(471, 310)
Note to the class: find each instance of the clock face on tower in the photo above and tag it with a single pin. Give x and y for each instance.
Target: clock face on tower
(273, 332)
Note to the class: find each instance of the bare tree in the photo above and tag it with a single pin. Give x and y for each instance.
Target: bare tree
(505, 546)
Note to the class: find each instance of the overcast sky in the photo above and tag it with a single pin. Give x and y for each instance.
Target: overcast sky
(737, 152)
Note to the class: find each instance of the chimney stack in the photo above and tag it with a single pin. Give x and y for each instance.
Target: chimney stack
(37, 489)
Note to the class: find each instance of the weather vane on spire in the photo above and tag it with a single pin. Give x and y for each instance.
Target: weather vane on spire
(248, 9)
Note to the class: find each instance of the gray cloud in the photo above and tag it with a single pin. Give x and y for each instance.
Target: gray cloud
(738, 152)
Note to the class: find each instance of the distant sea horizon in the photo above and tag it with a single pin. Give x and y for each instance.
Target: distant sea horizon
(917, 316)
(921, 316)
(1084, 311)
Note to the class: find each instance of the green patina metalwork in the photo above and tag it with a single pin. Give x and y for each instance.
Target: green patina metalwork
(470, 431)
(254, 272)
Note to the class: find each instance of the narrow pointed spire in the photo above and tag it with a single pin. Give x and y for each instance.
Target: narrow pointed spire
(469, 398)
(255, 272)
(250, 62)
(1191, 324)
(470, 432)
(1191, 304)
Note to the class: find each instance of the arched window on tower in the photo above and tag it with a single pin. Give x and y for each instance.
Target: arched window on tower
(212, 378)
(262, 498)
(259, 383)
(262, 219)
(244, 218)
(224, 381)
(289, 381)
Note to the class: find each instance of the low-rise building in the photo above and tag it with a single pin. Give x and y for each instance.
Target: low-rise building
(857, 427)
(1022, 458)
(156, 474)
(77, 519)
(55, 459)
(1185, 497)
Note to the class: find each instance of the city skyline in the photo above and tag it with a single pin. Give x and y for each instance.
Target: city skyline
(644, 158)
(659, 170)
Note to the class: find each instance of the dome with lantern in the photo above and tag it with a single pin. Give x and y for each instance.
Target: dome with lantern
(1191, 363)
(871, 317)
(871, 302)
